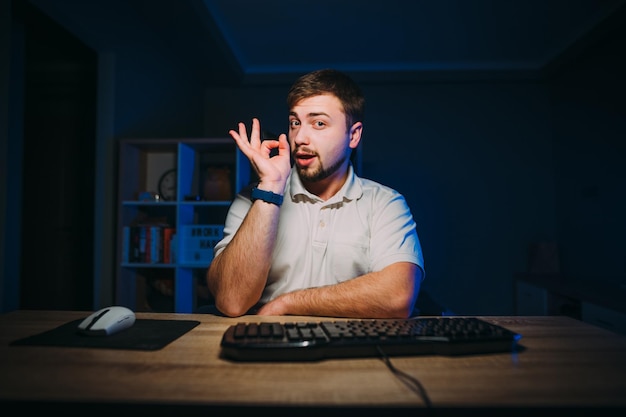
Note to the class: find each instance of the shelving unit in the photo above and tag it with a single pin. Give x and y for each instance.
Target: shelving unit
(209, 173)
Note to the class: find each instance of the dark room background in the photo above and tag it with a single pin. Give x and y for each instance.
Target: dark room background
(488, 166)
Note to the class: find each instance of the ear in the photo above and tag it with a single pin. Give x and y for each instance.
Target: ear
(355, 134)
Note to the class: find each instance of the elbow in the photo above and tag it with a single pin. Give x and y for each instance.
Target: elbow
(399, 307)
(403, 311)
(403, 305)
(232, 307)
(400, 298)
(228, 311)
(225, 302)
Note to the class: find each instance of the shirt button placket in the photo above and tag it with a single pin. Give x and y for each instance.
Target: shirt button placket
(323, 228)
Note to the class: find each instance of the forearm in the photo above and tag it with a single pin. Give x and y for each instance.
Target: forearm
(390, 293)
(237, 276)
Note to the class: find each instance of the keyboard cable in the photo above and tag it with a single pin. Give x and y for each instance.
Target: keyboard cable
(413, 383)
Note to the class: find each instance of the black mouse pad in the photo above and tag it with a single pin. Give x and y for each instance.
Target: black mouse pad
(143, 335)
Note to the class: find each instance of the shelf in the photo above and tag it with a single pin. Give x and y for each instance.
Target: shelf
(207, 174)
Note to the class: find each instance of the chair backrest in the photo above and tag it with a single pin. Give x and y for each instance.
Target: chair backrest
(427, 305)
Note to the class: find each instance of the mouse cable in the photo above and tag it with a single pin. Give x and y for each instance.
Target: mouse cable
(413, 383)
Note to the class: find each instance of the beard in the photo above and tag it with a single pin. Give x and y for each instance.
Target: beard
(321, 172)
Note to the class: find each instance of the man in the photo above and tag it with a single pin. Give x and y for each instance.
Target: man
(312, 238)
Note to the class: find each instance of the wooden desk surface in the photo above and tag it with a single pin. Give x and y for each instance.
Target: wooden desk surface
(566, 363)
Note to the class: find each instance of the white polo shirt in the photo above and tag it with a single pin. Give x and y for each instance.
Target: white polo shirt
(365, 227)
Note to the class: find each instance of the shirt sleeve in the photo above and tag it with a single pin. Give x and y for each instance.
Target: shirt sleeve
(236, 213)
(394, 233)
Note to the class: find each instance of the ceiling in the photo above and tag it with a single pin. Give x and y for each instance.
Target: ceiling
(257, 42)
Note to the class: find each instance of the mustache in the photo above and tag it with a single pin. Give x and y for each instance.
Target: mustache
(304, 151)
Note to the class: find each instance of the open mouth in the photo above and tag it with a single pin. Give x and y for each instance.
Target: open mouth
(304, 159)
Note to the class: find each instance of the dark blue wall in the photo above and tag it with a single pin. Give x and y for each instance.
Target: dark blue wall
(488, 168)
(589, 136)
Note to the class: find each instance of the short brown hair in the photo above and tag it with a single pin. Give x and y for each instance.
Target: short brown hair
(330, 81)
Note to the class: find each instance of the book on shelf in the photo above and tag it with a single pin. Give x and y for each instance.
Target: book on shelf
(134, 245)
(143, 239)
(154, 251)
(147, 243)
(168, 236)
(174, 249)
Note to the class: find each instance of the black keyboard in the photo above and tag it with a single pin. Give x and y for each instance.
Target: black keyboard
(351, 338)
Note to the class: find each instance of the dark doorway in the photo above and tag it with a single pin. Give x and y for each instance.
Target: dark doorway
(59, 166)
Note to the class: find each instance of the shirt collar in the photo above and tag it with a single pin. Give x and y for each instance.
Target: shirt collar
(350, 190)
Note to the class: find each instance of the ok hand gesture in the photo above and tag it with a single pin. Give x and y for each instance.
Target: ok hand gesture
(271, 170)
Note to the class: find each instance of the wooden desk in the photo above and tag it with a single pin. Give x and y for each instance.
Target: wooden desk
(566, 363)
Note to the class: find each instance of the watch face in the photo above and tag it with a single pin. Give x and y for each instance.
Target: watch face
(167, 185)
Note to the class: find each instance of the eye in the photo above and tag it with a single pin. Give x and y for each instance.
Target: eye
(294, 123)
(318, 124)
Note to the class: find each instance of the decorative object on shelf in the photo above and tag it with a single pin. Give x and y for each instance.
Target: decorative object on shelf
(149, 196)
(217, 186)
(167, 185)
(197, 242)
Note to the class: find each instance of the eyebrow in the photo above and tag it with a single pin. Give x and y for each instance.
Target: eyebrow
(309, 115)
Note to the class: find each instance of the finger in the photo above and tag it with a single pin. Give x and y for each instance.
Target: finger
(241, 138)
(283, 145)
(255, 136)
(234, 134)
(240, 133)
(267, 145)
(243, 131)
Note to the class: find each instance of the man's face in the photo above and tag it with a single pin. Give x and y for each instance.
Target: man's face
(320, 144)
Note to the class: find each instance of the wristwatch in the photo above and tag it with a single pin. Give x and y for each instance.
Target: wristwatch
(267, 196)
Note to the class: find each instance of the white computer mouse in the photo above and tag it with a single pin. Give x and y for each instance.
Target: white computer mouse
(107, 321)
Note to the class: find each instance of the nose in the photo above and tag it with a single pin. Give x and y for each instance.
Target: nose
(299, 136)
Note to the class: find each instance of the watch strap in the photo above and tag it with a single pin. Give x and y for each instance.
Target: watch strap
(267, 196)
